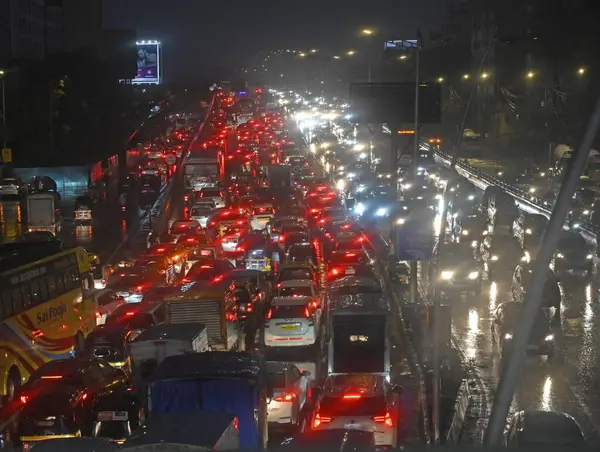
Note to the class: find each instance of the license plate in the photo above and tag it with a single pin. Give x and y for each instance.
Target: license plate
(351, 425)
(350, 271)
(289, 327)
(105, 416)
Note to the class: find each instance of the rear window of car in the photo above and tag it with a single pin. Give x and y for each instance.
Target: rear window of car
(295, 273)
(263, 211)
(295, 292)
(201, 211)
(288, 312)
(210, 193)
(362, 406)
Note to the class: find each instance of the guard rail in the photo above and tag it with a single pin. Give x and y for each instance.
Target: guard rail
(524, 200)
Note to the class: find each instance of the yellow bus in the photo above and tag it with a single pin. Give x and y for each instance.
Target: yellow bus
(44, 313)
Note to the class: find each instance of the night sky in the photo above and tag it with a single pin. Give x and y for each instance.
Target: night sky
(197, 34)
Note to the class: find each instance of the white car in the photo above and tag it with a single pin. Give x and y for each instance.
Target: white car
(365, 402)
(9, 187)
(298, 288)
(229, 242)
(292, 322)
(106, 301)
(261, 215)
(291, 389)
(215, 194)
(181, 227)
(201, 213)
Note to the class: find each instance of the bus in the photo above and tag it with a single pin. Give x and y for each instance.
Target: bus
(44, 313)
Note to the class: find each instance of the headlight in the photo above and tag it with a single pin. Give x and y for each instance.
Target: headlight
(446, 275)
(586, 212)
(589, 256)
(560, 255)
(471, 197)
(400, 221)
(473, 275)
(531, 189)
(381, 212)
(474, 244)
(508, 336)
(494, 258)
(465, 232)
(549, 338)
(528, 231)
(360, 208)
(526, 257)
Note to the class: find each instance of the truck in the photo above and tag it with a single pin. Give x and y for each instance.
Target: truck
(42, 214)
(202, 168)
(357, 333)
(210, 307)
(234, 383)
(279, 176)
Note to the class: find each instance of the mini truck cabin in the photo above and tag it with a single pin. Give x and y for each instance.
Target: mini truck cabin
(357, 326)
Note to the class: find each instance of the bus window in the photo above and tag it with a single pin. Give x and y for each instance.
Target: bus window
(51, 281)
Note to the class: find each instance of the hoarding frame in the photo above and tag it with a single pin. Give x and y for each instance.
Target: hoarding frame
(151, 80)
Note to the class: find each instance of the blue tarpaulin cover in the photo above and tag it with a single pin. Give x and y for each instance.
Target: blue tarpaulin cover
(237, 397)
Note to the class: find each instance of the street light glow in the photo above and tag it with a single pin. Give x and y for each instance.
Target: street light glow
(466, 76)
(580, 71)
(530, 74)
(351, 52)
(440, 79)
(485, 75)
(367, 31)
(302, 54)
(336, 57)
(402, 57)
(1, 72)
(313, 51)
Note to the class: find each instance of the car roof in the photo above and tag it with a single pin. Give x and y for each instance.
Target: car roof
(290, 301)
(297, 283)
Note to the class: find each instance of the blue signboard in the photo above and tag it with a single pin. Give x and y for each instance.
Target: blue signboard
(415, 239)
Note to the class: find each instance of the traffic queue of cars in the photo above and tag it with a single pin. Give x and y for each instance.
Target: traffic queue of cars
(254, 277)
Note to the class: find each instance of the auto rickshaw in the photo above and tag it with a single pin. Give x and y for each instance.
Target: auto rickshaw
(83, 209)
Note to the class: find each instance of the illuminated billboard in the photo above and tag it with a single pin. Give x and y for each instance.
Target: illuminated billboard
(149, 70)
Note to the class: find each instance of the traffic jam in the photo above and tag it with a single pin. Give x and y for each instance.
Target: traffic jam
(259, 314)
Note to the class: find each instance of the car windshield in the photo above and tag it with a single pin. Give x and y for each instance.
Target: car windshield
(352, 405)
(295, 273)
(295, 292)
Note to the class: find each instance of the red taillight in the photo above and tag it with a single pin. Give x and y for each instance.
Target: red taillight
(360, 239)
(387, 419)
(334, 271)
(279, 285)
(350, 254)
(352, 396)
(98, 314)
(139, 288)
(217, 279)
(206, 266)
(314, 210)
(269, 314)
(306, 313)
(130, 313)
(285, 398)
(318, 420)
(24, 399)
(346, 226)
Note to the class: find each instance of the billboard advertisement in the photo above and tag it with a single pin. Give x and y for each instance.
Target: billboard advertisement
(148, 62)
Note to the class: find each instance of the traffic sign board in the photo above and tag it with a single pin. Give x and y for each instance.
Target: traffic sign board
(171, 159)
(415, 239)
(6, 155)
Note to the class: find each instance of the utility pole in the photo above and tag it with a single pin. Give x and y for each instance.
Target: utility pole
(2, 73)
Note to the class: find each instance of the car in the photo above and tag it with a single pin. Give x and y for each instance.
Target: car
(458, 269)
(68, 396)
(106, 302)
(504, 325)
(215, 193)
(296, 271)
(291, 395)
(348, 263)
(180, 227)
(551, 295)
(292, 322)
(200, 213)
(301, 252)
(175, 253)
(298, 288)
(261, 215)
(137, 318)
(131, 284)
(543, 429)
(359, 402)
(207, 269)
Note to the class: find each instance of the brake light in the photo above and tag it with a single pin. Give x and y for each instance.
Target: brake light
(129, 313)
(285, 398)
(318, 420)
(346, 226)
(98, 314)
(269, 314)
(352, 396)
(306, 313)
(24, 399)
(217, 279)
(139, 288)
(335, 271)
(160, 250)
(360, 239)
(314, 304)
(314, 210)
(279, 285)
(350, 254)
(387, 419)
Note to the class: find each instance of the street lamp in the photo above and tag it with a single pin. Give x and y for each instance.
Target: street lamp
(350, 52)
(402, 57)
(336, 57)
(2, 73)
(302, 54)
(485, 75)
(367, 31)
(313, 51)
(440, 79)
(581, 71)
(530, 74)
(466, 76)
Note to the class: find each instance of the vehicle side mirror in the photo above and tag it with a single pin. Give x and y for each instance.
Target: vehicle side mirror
(397, 389)
(306, 373)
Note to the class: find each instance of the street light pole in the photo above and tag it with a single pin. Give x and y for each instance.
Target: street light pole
(3, 110)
